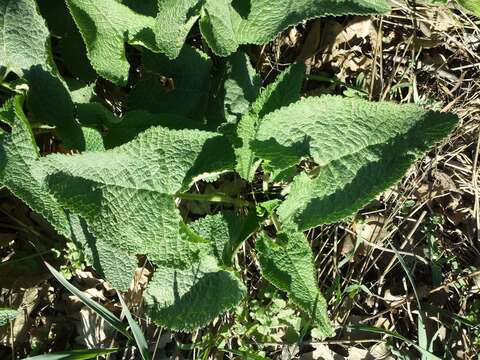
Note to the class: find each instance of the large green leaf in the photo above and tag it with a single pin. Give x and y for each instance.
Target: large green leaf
(127, 194)
(225, 24)
(24, 38)
(284, 91)
(106, 26)
(361, 149)
(71, 45)
(288, 264)
(19, 157)
(191, 297)
(7, 315)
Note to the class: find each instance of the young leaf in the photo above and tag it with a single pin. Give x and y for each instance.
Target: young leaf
(127, 194)
(18, 158)
(288, 264)
(241, 87)
(361, 148)
(174, 20)
(24, 39)
(226, 231)
(83, 354)
(99, 309)
(136, 331)
(7, 315)
(284, 91)
(218, 24)
(105, 27)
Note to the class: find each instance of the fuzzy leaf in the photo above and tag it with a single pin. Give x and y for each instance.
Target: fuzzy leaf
(24, 39)
(18, 158)
(284, 91)
(361, 148)
(226, 231)
(241, 88)
(135, 122)
(7, 315)
(126, 195)
(105, 27)
(188, 298)
(225, 24)
(192, 297)
(174, 20)
(288, 264)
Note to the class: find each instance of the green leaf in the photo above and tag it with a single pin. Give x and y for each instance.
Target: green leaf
(7, 315)
(361, 149)
(105, 27)
(49, 101)
(284, 91)
(136, 331)
(24, 39)
(225, 24)
(189, 298)
(127, 194)
(241, 87)
(135, 122)
(71, 45)
(186, 91)
(288, 264)
(472, 5)
(18, 159)
(226, 231)
(217, 25)
(99, 309)
(83, 354)
(174, 20)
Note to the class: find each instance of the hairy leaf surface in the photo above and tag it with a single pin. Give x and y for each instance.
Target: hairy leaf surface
(288, 264)
(225, 24)
(18, 159)
(24, 38)
(105, 27)
(361, 148)
(284, 91)
(126, 195)
(191, 297)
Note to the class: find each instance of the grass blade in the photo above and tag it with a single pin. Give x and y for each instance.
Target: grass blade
(136, 331)
(83, 354)
(99, 309)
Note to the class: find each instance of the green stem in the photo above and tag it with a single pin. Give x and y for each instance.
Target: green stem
(219, 198)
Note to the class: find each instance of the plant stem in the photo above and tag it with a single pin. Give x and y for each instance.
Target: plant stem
(219, 198)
